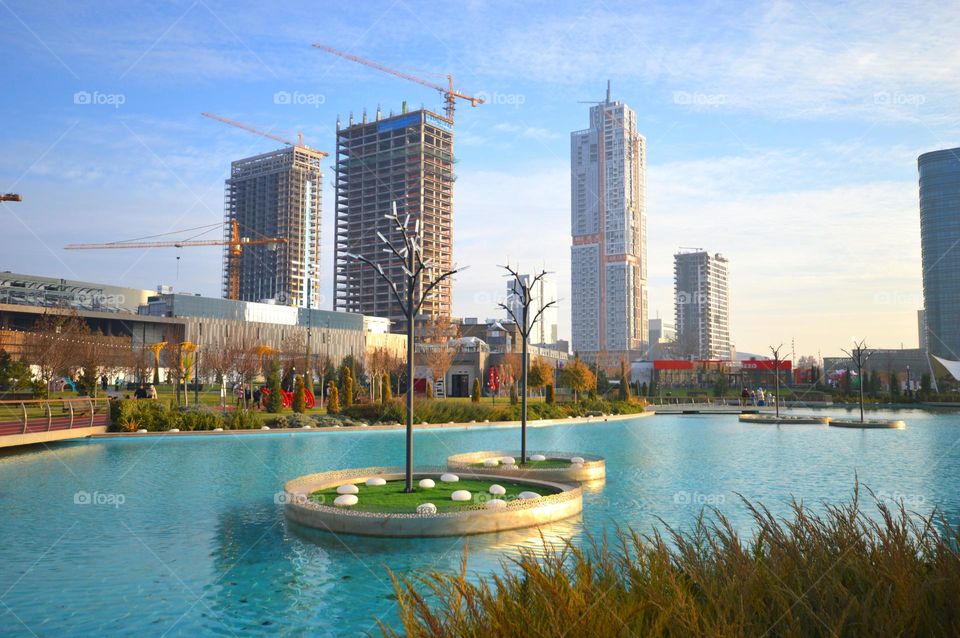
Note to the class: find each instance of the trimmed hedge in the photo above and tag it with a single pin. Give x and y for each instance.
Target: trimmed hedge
(433, 411)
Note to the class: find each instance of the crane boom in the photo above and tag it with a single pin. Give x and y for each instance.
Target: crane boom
(450, 95)
(10, 197)
(256, 131)
(236, 244)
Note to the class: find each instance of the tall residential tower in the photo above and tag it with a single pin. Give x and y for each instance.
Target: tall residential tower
(407, 159)
(702, 305)
(276, 195)
(940, 250)
(609, 228)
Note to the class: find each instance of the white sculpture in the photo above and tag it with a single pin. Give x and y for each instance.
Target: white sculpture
(528, 495)
(497, 490)
(346, 500)
(427, 484)
(375, 481)
(426, 508)
(348, 488)
(491, 463)
(449, 478)
(495, 504)
(265, 427)
(461, 495)
(577, 459)
(508, 460)
(537, 457)
(173, 430)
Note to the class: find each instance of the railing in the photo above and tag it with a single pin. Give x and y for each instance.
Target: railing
(709, 401)
(46, 415)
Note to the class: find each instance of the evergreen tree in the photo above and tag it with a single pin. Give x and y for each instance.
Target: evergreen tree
(387, 388)
(550, 393)
(644, 390)
(513, 394)
(333, 398)
(475, 395)
(308, 382)
(299, 395)
(623, 392)
(347, 387)
(274, 398)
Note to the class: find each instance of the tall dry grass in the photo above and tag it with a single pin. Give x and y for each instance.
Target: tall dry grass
(837, 572)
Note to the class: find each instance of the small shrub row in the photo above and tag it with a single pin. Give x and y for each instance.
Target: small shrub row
(430, 411)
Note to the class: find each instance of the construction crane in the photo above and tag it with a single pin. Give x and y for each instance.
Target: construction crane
(10, 197)
(450, 95)
(236, 244)
(247, 127)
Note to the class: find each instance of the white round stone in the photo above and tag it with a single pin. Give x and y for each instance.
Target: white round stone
(427, 484)
(537, 457)
(528, 495)
(449, 478)
(495, 504)
(265, 427)
(307, 427)
(348, 488)
(423, 423)
(508, 460)
(486, 420)
(577, 459)
(461, 495)
(375, 481)
(173, 430)
(497, 490)
(491, 463)
(218, 429)
(346, 500)
(142, 430)
(576, 466)
(426, 508)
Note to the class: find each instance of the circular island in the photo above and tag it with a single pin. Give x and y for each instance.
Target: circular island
(772, 419)
(372, 502)
(874, 424)
(544, 466)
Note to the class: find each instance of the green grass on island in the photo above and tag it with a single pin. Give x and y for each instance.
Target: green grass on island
(391, 498)
(549, 464)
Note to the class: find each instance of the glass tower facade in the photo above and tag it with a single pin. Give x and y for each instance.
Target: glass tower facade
(940, 244)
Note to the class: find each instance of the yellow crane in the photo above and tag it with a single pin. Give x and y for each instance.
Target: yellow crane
(235, 245)
(10, 197)
(450, 94)
(250, 129)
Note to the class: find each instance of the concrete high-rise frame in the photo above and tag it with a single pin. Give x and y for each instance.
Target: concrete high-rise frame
(277, 194)
(407, 159)
(609, 228)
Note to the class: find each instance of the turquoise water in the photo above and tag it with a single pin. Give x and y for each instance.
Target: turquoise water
(183, 537)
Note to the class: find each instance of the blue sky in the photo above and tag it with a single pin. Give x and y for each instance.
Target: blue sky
(782, 134)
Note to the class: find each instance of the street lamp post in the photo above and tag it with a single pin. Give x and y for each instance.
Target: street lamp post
(521, 291)
(413, 264)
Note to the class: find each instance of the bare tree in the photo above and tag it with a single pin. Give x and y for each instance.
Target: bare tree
(54, 346)
(420, 279)
(859, 355)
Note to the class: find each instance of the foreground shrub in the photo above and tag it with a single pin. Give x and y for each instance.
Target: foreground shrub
(292, 421)
(836, 573)
(241, 420)
(198, 418)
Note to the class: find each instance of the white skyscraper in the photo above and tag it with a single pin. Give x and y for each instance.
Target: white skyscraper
(609, 228)
(544, 291)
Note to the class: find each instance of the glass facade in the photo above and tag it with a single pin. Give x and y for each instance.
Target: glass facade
(940, 243)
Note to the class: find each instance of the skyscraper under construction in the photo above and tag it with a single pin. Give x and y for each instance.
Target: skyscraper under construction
(407, 159)
(275, 194)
